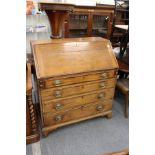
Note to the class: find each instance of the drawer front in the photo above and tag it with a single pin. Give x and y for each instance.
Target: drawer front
(68, 103)
(56, 82)
(59, 92)
(77, 113)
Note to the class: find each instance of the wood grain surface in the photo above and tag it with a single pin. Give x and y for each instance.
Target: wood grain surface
(76, 80)
(73, 57)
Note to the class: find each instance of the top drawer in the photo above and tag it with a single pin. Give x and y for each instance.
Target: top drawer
(67, 80)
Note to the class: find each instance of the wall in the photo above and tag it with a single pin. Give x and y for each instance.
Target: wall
(37, 28)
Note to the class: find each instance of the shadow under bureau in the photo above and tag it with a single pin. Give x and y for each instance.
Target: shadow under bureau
(76, 79)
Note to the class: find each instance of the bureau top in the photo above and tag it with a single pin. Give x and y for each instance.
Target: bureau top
(57, 57)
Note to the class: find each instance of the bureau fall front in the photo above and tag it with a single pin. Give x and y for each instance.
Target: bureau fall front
(76, 79)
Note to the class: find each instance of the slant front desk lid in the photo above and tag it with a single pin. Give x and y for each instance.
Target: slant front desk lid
(57, 57)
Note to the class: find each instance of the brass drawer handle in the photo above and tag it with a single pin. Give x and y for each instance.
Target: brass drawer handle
(104, 75)
(99, 107)
(41, 84)
(57, 93)
(58, 118)
(100, 96)
(90, 10)
(59, 106)
(102, 85)
(57, 82)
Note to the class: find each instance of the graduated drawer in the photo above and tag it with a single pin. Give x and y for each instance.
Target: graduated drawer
(70, 102)
(76, 78)
(76, 89)
(77, 113)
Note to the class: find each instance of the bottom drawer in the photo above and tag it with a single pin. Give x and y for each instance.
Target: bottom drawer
(78, 112)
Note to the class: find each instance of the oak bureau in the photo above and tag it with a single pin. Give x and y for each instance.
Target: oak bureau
(76, 79)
